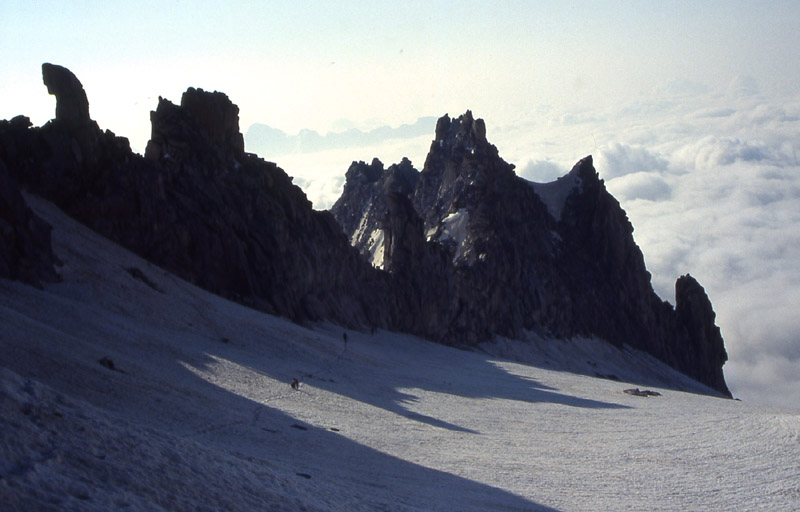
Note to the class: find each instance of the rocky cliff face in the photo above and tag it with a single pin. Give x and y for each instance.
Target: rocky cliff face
(696, 321)
(458, 252)
(26, 253)
(557, 258)
(198, 205)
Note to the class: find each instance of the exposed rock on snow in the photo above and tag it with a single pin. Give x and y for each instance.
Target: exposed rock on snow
(364, 226)
(641, 392)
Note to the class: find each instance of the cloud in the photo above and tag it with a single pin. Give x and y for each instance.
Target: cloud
(744, 85)
(680, 89)
(573, 118)
(640, 185)
(541, 171)
(716, 112)
(769, 378)
(267, 141)
(322, 193)
(734, 223)
(620, 159)
(712, 151)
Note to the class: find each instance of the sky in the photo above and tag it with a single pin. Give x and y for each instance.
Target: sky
(691, 110)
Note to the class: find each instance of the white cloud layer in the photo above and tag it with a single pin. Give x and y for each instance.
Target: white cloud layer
(620, 159)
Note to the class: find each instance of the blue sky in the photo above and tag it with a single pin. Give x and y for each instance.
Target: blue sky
(691, 109)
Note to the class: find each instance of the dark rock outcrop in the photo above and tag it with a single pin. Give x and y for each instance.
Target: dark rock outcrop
(26, 253)
(493, 254)
(696, 320)
(641, 392)
(72, 105)
(200, 207)
(205, 122)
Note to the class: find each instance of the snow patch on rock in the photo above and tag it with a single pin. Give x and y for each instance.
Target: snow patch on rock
(554, 194)
(372, 241)
(454, 229)
(375, 247)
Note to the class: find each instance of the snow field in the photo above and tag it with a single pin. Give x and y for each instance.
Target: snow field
(198, 414)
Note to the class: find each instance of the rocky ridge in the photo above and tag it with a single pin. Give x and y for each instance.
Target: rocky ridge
(465, 249)
(197, 205)
(558, 259)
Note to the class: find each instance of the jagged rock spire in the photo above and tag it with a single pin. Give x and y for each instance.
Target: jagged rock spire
(497, 255)
(696, 317)
(216, 115)
(205, 122)
(465, 131)
(72, 105)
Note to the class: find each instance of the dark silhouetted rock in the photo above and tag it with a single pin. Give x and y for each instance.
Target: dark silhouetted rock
(215, 115)
(200, 207)
(26, 253)
(696, 320)
(204, 120)
(641, 392)
(72, 106)
(490, 253)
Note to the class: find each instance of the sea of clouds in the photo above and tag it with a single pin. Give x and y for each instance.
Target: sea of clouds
(710, 181)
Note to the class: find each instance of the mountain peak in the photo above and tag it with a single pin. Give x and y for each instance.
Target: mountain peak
(361, 171)
(215, 114)
(488, 253)
(464, 132)
(205, 122)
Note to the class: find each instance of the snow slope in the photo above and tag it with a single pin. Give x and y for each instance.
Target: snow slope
(192, 410)
(554, 194)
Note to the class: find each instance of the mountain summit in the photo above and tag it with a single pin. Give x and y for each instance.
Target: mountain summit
(489, 253)
(460, 252)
